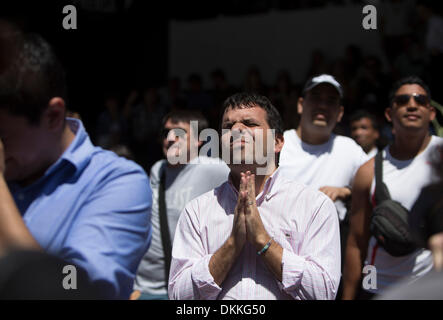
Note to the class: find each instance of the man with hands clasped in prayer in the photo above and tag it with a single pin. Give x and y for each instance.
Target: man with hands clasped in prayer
(258, 235)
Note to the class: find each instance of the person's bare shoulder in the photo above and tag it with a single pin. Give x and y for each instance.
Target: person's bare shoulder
(364, 175)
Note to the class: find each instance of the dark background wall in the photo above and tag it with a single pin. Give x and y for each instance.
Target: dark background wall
(116, 50)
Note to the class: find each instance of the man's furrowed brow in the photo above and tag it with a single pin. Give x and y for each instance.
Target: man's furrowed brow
(226, 123)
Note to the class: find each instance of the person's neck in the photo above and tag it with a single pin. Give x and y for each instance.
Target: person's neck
(311, 137)
(408, 146)
(177, 166)
(368, 149)
(65, 140)
(260, 180)
(190, 155)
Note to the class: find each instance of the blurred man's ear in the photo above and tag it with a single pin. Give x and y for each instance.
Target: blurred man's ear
(433, 113)
(388, 114)
(300, 105)
(54, 115)
(340, 114)
(279, 142)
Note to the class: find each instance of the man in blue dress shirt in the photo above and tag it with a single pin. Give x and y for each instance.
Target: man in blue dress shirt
(58, 192)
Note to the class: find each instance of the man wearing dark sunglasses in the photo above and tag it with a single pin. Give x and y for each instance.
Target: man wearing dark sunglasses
(406, 170)
(181, 183)
(403, 99)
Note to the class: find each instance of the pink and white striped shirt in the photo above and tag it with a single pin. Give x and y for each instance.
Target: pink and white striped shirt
(302, 220)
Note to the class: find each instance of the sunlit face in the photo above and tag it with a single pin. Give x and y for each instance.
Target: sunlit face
(176, 140)
(321, 108)
(25, 147)
(244, 130)
(409, 113)
(363, 132)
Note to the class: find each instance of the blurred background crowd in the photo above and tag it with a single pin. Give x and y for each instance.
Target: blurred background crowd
(121, 85)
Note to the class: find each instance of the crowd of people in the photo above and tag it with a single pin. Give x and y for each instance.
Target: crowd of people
(408, 46)
(138, 226)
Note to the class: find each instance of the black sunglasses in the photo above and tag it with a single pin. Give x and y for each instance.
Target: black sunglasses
(403, 99)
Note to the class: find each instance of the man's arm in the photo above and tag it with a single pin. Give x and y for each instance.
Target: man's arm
(358, 158)
(359, 234)
(195, 274)
(310, 266)
(223, 259)
(256, 232)
(435, 244)
(247, 224)
(190, 279)
(312, 273)
(112, 231)
(337, 193)
(13, 231)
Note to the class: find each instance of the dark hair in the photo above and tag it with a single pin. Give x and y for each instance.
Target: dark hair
(249, 100)
(360, 114)
(408, 80)
(186, 116)
(31, 78)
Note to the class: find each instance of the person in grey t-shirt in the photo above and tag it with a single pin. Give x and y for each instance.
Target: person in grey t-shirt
(183, 182)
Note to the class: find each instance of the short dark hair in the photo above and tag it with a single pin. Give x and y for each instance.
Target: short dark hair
(186, 116)
(249, 100)
(408, 80)
(31, 78)
(360, 114)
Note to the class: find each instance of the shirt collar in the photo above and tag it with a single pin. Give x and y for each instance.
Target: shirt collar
(79, 151)
(269, 189)
(77, 154)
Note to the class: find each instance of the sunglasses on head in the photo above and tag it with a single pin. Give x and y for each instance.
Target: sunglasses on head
(403, 99)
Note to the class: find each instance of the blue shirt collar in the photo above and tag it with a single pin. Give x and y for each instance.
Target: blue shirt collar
(79, 151)
(77, 154)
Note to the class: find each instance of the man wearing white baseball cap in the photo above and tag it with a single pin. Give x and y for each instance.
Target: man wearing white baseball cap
(313, 154)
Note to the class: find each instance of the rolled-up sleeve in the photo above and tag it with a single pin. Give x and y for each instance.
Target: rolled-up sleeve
(314, 271)
(189, 277)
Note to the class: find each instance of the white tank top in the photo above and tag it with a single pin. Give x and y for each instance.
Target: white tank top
(404, 179)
